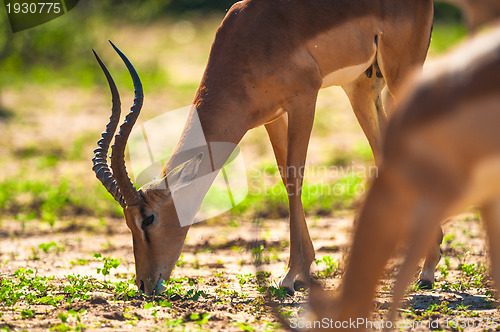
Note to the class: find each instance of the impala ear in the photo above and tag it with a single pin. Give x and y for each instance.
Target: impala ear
(184, 174)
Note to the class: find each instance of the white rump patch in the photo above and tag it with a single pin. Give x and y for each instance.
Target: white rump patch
(346, 75)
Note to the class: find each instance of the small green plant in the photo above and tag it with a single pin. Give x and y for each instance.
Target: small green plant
(27, 313)
(278, 292)
(174, 287)
(63, 317)
(109, 263)
(447, 261)
(35, 255)
(257, 254)
(27, 287)
(79, 261)
(154, 308)
(473, 274)
(46, 247)
(173, 323)
(200, 320)
(440, 308)
(234, 223)
(286, 312)
(78, 287)
(244, 326)
(331, 266)
(60, 328)
(462, 307)
(79, 326)
(444, 272)
(181, 261)
(449, 237)
(243, 279)
(125, 289)
(194, 294)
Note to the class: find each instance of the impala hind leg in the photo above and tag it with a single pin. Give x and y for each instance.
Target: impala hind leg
(365, 96)
(300, 120)
(426, 280)
(278, 135)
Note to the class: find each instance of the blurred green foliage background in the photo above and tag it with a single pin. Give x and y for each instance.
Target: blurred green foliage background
(48, 53)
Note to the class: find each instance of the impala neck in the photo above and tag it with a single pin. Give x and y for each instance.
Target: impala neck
(212, 130)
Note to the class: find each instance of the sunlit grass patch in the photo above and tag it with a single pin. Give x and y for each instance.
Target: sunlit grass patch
(445, 36)
(323, 198)
(50, 200)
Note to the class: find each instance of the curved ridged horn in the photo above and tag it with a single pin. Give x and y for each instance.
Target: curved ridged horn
(100, 167)
(130, 194)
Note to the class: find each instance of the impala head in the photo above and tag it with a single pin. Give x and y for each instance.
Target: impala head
(149, 212)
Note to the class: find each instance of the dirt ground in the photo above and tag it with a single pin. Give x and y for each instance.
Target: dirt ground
(216, 258)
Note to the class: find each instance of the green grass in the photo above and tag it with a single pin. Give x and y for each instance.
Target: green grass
(25, 287)
(59, 53)
(323, 198)
(330, 265)
(50, 200)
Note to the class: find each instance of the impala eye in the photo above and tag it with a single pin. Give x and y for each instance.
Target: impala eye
(148, 221)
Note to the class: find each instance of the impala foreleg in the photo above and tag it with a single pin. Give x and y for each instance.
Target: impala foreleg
(300, 120)
(424, 215)
(424, 223)
(382, 225)
(277, 131)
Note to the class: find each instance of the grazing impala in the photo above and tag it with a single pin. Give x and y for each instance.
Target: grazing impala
(441, 156)
(267, 63)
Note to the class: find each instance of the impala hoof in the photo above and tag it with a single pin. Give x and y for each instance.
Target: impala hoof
(300, 286)
(425, 284)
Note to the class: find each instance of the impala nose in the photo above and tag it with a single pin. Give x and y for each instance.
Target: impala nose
(146, 287)
(142, 286)
(160, 286)
(149, 288)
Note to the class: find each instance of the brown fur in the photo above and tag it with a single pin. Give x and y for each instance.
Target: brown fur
(439, 158)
